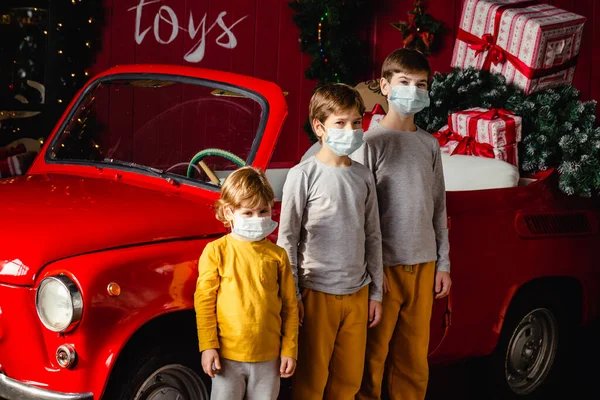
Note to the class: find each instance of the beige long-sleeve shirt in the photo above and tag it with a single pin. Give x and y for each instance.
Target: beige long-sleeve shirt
(412, 198)
(329, 227)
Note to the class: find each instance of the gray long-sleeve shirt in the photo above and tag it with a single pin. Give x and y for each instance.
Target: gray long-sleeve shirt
(329, 227)
(412, 198)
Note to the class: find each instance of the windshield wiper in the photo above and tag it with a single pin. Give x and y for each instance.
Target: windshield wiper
(156, 171)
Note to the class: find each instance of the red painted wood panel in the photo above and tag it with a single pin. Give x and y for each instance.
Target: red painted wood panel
(260, 39)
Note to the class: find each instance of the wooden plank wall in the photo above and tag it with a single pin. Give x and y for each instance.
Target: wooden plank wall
(268, 47)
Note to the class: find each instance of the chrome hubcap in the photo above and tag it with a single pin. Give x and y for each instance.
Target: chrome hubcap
(531, 351)
(173, 382)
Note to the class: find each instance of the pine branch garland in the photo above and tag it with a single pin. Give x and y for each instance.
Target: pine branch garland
(329, 32)
(559, 131)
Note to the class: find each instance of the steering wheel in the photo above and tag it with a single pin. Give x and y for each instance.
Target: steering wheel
(197, 159)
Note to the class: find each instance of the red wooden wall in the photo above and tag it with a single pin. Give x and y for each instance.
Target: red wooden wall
(267, 46)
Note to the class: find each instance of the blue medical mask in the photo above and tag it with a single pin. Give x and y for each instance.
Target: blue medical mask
(253, 229)
(344, 142)
(408, 100)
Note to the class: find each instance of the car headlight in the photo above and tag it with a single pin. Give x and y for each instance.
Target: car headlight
(58, 303)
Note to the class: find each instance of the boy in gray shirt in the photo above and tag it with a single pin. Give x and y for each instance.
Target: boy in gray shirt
(329, 227)
(407, 166)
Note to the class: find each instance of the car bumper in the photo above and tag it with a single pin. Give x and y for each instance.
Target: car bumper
(11, 389)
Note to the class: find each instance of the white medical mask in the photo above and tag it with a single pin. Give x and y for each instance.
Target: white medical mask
(344, 142)
(408, 100)
(254, 228)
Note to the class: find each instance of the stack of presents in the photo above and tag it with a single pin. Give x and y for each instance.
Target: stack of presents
(533, 45)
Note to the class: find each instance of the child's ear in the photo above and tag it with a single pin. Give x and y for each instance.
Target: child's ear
(228, 213)
(385, 87)
(317, 127)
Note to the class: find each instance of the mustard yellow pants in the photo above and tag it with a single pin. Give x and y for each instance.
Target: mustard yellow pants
(404, 332)
(332, 342)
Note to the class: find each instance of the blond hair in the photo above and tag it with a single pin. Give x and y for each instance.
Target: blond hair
(405, 60)
(332, 98)
(247, 184)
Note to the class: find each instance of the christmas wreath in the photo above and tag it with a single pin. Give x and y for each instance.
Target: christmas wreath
(559, 130)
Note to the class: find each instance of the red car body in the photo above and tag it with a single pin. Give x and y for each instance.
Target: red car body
(99, 224)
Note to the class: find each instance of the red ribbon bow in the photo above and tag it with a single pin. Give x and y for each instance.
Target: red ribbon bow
(471, 147)
(466, 144)
(496, 54)
(447, 135)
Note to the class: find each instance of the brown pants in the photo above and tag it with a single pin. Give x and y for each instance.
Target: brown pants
(404, 332)
(332, 345)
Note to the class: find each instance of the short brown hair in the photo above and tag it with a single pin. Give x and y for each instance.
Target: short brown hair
(332, 98)
(245, 184)
(405, 60)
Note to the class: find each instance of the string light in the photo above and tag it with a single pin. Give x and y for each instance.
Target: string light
(60, 52)
(59, 100)
(320, 40)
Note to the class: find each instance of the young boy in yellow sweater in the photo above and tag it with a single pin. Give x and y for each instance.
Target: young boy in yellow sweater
(245, 299)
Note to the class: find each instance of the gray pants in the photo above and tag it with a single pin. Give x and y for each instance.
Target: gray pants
(258, 381)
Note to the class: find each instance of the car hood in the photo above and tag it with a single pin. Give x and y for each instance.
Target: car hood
(50, 217)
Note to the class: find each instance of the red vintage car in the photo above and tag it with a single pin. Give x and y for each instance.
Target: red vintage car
(99, 266)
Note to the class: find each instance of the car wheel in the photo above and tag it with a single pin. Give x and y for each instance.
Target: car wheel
(531, 348)
(158, 374)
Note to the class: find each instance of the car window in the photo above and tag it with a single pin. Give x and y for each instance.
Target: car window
(193, 129)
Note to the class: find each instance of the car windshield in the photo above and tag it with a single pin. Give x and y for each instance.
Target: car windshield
(189, 129)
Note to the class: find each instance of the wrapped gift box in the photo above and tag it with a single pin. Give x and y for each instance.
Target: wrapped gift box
(496, 127)
(480, 132)
(535, 46)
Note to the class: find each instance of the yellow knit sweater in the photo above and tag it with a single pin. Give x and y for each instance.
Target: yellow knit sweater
(245, 301)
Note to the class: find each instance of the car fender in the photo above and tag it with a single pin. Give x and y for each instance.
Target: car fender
(559, 284)
(154, 279)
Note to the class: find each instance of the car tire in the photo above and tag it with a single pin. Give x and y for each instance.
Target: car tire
(159, 373)
(532, 349)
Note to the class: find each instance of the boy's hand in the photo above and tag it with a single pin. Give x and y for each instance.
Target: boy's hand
(288, 366)
(442, 284)
(386, 283)
(374, 313)
(300, 311)
(210, 357)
